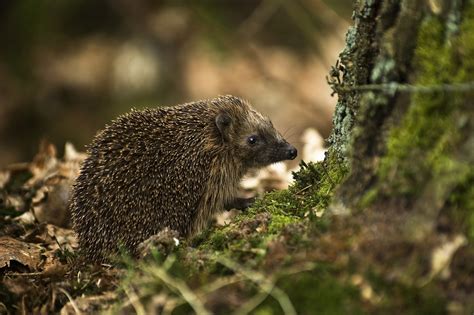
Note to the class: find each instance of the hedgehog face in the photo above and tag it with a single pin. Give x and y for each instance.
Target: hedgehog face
(263, 146)
(252, 138)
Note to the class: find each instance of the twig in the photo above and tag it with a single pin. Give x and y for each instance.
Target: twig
(219, 283)
(403, 87)
(135, 301)
(182, 288)
(265, 285)
(208, 288)
(168, 263)
(251, 304)
(303, 189)
(329, 176)
(171, 304)
(71, 300)
(25, 273)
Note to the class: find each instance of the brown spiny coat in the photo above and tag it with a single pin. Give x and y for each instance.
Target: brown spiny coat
(169, 167)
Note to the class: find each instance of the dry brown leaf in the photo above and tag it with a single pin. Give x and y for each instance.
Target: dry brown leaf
(38, 234)
(54, 270)
(53, 180)
(43, 163)
(64, 238)
(51, 236)
(51, 202)
(72, 155)
(19, 251)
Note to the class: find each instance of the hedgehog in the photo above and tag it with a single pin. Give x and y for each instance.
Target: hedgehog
(168, 167)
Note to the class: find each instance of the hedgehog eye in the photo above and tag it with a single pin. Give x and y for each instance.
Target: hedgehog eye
(252, 140)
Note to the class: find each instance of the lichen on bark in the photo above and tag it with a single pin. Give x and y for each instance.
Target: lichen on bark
(358, 51)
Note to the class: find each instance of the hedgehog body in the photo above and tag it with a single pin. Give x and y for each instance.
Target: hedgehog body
(169, 167)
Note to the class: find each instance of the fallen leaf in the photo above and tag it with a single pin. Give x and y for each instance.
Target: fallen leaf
(19, 251)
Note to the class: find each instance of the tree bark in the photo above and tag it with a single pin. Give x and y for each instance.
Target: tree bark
(404, 127)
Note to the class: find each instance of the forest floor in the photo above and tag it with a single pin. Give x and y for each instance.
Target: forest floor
(288, 254)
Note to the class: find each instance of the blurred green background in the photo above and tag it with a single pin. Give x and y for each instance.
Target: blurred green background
(69, 67)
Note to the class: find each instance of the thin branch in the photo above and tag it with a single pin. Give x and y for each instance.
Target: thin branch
(71, 300)
(402, 87)
(135, 301)
(182, 288)
(303, 189)
(251, 304)
(268, 286)
(219, 283)
(27, 274)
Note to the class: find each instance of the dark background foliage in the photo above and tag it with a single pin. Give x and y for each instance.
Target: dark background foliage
(68, 67)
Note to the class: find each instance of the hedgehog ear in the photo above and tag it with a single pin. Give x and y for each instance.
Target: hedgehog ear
(223, 122)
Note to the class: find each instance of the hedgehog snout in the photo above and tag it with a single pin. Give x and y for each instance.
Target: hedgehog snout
(285, 151)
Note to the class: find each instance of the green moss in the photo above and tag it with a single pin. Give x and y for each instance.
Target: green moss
(427, 145)
(215, 239)
(278, 222)
(460, 206)
(312, 191)
(278, 202)
(288, 215)
(320, 180)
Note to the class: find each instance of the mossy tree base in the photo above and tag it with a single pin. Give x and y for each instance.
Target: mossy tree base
(411, 150)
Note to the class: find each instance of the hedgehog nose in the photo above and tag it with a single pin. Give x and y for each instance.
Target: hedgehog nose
(291, 153)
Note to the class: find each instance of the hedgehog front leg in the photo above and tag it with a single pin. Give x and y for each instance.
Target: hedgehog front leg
(239, 203)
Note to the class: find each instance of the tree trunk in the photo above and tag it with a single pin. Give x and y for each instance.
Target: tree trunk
(404, 127)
